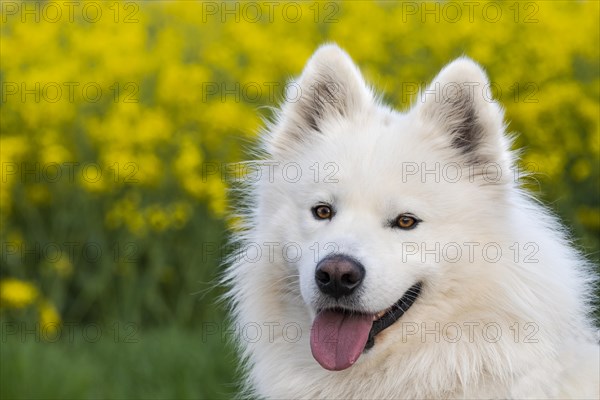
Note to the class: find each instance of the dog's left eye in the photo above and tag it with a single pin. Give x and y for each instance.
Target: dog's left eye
(322, 211)
(406, 221)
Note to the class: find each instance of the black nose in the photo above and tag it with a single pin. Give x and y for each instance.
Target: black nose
(339, 275)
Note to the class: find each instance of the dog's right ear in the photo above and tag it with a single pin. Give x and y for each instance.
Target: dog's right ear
(331, 88)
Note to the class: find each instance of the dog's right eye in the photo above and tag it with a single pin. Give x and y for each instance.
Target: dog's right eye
(322, 211)
(406, 222)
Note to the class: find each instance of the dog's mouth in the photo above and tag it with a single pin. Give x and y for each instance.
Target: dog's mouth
(339, 336)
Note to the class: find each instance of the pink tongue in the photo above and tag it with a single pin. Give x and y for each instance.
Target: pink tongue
(338, 339)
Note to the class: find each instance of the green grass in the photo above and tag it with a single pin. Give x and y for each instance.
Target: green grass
(166, 363)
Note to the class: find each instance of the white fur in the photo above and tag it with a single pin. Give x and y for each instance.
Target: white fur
(370, 144)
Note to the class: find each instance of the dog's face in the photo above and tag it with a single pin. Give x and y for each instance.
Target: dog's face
(380, 203)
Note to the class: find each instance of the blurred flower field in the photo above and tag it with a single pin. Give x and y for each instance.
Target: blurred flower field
(117, 119)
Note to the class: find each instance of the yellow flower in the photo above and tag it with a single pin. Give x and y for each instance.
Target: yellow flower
(581, 170)
(38, 194)
(158, 218)
(49, 319)
(136, 224)
(63, 266)
(16, 293)
(589, 217)
(180, 214)
(217, 196)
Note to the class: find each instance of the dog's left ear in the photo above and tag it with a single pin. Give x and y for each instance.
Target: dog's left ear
(458, 104)
(330, 89)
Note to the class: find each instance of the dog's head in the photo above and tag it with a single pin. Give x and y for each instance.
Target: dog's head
(376, 205)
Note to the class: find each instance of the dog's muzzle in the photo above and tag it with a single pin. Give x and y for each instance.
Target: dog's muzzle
(339, 335)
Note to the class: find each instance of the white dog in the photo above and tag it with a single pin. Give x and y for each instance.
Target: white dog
(393, 255)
